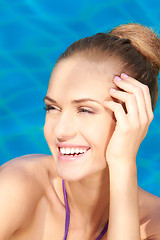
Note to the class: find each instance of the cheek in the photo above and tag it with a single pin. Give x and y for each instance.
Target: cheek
(105, 130)
(98, 129)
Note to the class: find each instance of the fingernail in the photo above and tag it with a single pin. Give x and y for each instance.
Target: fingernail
(112, 90)
(116, 78)
(124, 75)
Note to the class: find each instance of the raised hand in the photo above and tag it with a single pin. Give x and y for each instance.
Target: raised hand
(131, 124)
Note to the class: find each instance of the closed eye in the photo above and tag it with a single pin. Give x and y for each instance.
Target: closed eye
(84, 111)
(48, 107)
(80, 110)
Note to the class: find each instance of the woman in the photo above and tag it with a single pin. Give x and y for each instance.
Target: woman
(100, 101)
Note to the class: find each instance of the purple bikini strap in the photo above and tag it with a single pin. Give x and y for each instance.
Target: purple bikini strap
(67, 211)
(103, 232)
(68, 217)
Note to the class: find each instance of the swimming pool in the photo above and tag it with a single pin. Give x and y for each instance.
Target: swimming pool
(33, 34)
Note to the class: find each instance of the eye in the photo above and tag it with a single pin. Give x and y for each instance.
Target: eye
(85, 111)
(81, 110)
(48, 107)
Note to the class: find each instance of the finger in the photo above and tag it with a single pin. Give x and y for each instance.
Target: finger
(131, 105)
(146, 93)
(119, 113)
(138, 93)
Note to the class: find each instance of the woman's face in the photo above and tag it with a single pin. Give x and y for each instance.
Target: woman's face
(81, 123)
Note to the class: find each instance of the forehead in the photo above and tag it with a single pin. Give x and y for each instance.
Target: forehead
(78, 77)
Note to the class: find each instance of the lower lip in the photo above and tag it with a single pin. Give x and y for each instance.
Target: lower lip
(67, 158)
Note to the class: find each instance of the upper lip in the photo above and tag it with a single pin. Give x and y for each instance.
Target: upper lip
(66, 145)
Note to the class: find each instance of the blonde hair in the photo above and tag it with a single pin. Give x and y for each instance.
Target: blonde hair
(136, 46)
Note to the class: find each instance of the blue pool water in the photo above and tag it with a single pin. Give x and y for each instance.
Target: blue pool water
(32, 35)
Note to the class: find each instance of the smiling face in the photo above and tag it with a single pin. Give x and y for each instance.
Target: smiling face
(82, 123)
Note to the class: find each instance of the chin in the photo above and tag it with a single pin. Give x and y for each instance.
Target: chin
(79, 174)
(76, 170)
(69, 175)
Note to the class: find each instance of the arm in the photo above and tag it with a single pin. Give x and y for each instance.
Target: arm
(124, 206)
(130, 129)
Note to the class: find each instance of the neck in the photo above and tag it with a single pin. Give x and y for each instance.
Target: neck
(88, 200)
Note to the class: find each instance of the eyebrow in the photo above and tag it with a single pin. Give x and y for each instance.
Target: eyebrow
(73, 101)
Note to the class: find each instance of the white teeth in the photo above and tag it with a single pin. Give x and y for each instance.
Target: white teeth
(67, 151)
(77, 150)
(62, 150)
(72, 150)
(81, 151)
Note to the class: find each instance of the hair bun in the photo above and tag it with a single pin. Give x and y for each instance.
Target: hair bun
(143, 39)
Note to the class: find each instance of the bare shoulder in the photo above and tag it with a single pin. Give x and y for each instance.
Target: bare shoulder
(22, 185)
(29, 162)
(28, 169)
(32, 166)
(149, 215)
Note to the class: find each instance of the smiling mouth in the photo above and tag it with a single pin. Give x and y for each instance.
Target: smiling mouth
(70, 156)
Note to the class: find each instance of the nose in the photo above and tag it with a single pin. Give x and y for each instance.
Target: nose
(65, 128)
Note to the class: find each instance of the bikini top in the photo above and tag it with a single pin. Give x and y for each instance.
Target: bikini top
(67, 221)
